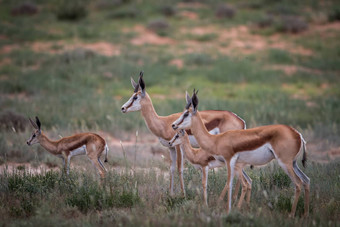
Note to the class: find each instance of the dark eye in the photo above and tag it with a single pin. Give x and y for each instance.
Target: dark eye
(186, 114)
(134, 97)
(33, 135)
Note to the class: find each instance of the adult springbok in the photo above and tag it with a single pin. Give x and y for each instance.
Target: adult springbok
(160, 126)
(90, 144)
(197, 157)
(256, 146)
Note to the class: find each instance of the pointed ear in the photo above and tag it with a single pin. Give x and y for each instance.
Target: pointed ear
(187, 97)
(134, 85)
(141, 83)
(188, 100)
(164, 142)
(38, 122)
(33, 123)
(194, 101)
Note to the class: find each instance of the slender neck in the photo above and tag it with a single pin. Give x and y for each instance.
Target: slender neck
(203, 137)
(156, 125)
(186, 147)
(48, 144)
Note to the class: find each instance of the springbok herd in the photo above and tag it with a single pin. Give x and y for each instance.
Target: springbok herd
(208, 138)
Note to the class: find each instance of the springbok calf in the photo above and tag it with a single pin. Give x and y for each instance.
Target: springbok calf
(79, 144)
(254, 146)
(197, 157)
(160, 126)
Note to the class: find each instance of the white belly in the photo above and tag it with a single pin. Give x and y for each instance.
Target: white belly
(216, 163)
(79, 151)
(259, 156)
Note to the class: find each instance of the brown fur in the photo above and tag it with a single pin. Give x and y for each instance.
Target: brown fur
(94, 143)
(160, 126)
(286, 143)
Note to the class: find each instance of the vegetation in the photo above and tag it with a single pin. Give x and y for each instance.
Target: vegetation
(70, 63)
(130, 198)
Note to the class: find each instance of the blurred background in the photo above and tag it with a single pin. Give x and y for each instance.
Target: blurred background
(70, 62)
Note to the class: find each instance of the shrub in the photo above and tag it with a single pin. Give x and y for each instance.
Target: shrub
(291, 24)
(283, 203)
(26, 8)
(159, 26)
(71, 10)
(225, 11)
(265, 21)
(10, 120)
(334, 15)
(168, 10)
(173, 202)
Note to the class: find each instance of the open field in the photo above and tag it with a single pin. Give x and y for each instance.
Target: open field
(268, 61)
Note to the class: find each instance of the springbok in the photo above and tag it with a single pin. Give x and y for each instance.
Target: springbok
(197, 157)
(160, 126)
(256, 146)
(90, 144)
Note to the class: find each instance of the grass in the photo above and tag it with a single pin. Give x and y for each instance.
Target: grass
(77, 90)
(128, 198)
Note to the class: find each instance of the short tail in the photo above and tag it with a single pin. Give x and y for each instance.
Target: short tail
(304, 154)
(106, 152)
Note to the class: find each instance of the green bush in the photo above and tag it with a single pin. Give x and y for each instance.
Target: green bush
(225, 11)
(168, 10)
(71, 10)
(334, 14)
(159, 26)
(292, 24)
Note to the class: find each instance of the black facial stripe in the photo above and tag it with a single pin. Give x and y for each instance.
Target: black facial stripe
(131, 102)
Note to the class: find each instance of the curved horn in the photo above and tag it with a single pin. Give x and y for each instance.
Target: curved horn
(33, 123)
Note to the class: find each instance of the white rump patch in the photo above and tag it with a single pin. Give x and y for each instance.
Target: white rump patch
(259, 156)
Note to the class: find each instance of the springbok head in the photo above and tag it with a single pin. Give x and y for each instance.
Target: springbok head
(36, 133)
(133, 104)
(178, 138)
(184, 121)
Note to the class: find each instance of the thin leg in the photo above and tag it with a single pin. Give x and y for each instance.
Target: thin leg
(180, 162)
(229, 185)
(64, 164)
(249, 181)
(205, 172)
(238, 184)
(102, 165)
(173, 157)
(306, 184)
(68, 164)
(98, 167)
(224, 191)
(297, 182)
(244, 189)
